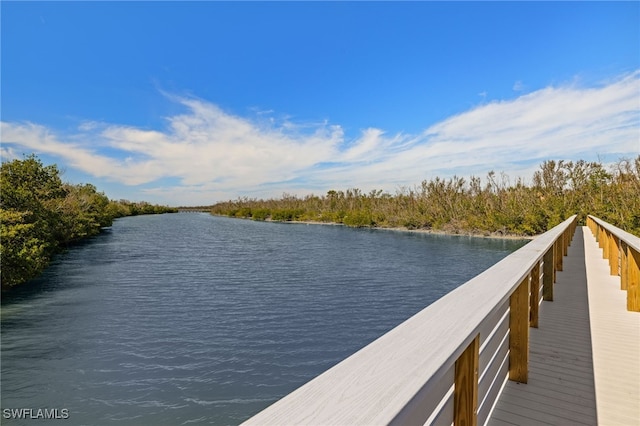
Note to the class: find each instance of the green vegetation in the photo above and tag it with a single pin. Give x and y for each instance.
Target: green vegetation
(40, 215)
(558, 190)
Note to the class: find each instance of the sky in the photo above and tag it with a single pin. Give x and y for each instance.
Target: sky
(190, 103)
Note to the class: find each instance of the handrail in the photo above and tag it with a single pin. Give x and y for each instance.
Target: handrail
(446, 364)
(622, 250)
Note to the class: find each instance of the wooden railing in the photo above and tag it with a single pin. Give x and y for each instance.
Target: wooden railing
(448, 363)
(622, 250)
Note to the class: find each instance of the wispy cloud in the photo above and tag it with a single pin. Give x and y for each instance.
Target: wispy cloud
(217, 155)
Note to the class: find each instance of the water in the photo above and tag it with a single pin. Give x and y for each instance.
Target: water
(194, 319)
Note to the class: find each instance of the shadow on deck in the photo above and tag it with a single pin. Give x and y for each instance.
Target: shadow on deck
(585, 356)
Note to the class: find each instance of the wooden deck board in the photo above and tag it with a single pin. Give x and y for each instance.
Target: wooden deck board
(514, 419)
(543, 401)
(616, 342)
(544, 410)
(498, 422)
(585, 356)
(560, 389)
(571, 399)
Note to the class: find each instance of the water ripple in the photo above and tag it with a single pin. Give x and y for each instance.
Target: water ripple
(193, 319)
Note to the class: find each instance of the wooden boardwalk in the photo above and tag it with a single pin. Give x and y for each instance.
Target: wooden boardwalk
(585, 356)
(615, 333)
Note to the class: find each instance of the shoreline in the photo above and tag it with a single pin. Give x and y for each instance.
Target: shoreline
(493, 235)
(498, 236)
(418, 231)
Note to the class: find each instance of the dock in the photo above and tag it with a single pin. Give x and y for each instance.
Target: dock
(584, 366)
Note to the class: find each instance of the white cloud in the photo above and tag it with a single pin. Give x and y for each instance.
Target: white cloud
(367, 148)
(215, 155)
(38, 139)
(8, 153)
(518, 86)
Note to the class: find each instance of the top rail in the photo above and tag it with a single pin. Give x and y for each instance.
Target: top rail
(446, 364)
(622, 250)
(629, 239)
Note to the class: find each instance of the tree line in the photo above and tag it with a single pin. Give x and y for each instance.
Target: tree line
(498, 206)
(40, 215)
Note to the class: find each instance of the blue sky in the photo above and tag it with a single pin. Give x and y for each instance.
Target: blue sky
(187, 103)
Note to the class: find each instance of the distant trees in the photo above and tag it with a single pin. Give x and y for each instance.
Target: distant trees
(39, 215)
(558, 190)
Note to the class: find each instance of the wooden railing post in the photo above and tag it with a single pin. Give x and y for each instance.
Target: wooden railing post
(558, 251)
(624, 266)
(633, 283)
(535, 296)
(622, 251)
(547, 275)
(555, 261)
(605, 244)
(561, 255)
(465, 390)
(613, 255)
(519, 333)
